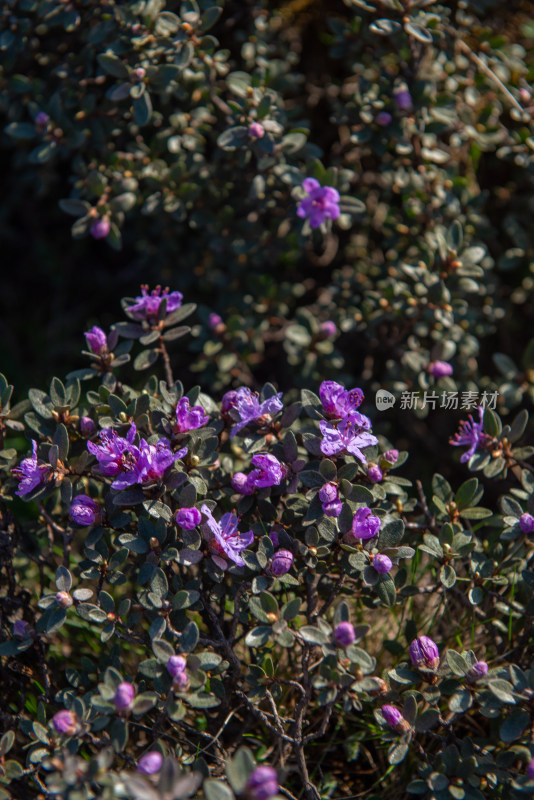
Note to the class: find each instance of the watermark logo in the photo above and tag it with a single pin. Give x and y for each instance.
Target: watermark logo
(384, 400)
(464, 401)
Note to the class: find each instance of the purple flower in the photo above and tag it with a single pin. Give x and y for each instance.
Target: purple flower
(281, 562)
(30, 473)
(470, 435)
(22, 629)
(338, 401)
(84, 510)
(115, 454)
(244, 484)
(365, 524)
(268, 470)
(374, 473)
(403, 100)
(100, 228)
(382, 563)
(255, 130)
(440, 369)
(328, 328)
(96, 340)
(188, 518)
(87, 426)
(249, 408)
(530, 770)
(226, 538)
(478, 671)
(394, 719)
(147, 305)
(189, 418)
(424, 652)
(124, 696)
(262, 783)
(526, 523)
(176, 665)
(344, 634)
(351, 435)
(274, 538)
(65, 722)
(329, 497)
(322, 203)
(383, 118)
(119, 458)
(151, 464)
(150, 763)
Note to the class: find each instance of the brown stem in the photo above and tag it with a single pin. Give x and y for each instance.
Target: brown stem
(167, 362)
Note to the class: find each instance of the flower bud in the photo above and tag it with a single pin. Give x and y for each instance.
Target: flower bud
(344, 634)
(374, 473)
(281, 562)
(440, 369)
(124, 696)
(84, 510)
(150, 763)
(530, 770)
(64, 599)
(382, 563)
(100, 228)
(96, 340)
(383, 118)
(274, 538)
(216, 323)
(403, 100)
(180, 681)
(424, 653)
(176, 665)
(262, 783)
(65, 722)
(328, 493)
(22, 629)
(87, 426)
(394, 719)
(138, 73)
(328, 328)
(526, 523)
(524, 96)
(242, 483)
(391, 456)
(477, 671)
(188, 518)
(255, 130)
(365, 524)
(42, 119)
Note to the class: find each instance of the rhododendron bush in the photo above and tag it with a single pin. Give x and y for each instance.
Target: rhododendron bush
(268, 532)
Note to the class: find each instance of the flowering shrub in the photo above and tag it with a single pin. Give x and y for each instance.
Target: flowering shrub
(259, 586)
(157, 610)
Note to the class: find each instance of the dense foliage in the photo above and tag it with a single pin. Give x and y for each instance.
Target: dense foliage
(283, 580)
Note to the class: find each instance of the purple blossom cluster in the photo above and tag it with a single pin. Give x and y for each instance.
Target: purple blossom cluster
(321, 203)
(244, 407)
(146, 305)
(352, 433)
(120, 458)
